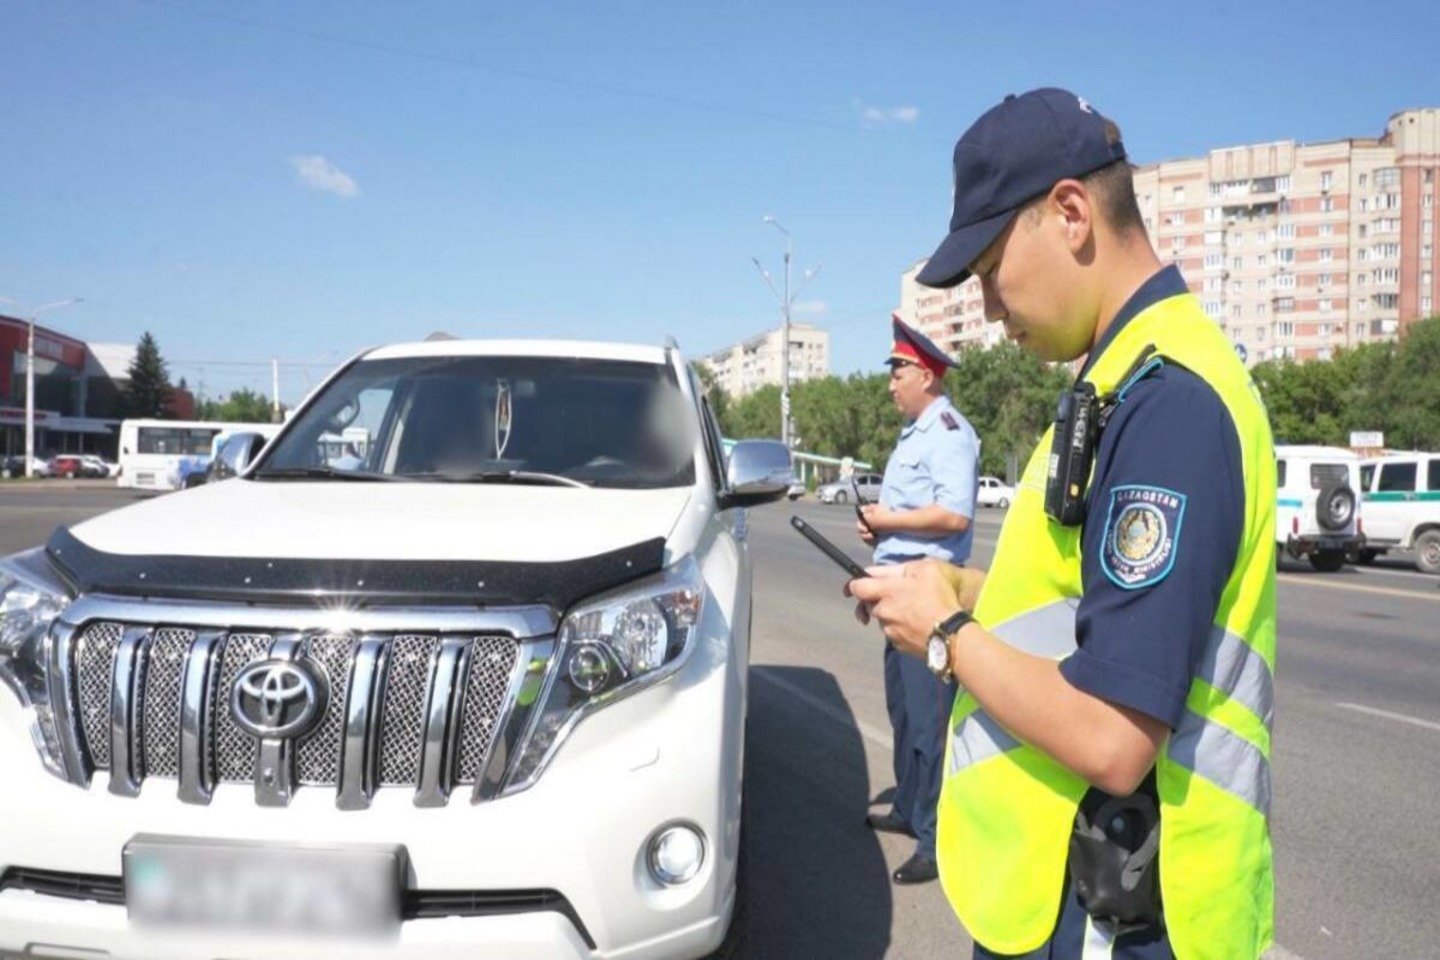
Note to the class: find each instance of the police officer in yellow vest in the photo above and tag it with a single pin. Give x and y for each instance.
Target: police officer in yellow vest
(1106, 782)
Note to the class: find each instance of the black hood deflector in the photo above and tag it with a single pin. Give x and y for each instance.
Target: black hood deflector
(361, 583)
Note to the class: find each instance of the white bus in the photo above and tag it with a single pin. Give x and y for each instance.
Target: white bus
(151, 451)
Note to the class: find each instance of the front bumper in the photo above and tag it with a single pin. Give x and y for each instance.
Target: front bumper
(580, 830)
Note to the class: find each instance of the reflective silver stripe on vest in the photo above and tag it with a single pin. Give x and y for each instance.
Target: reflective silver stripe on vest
(1232, 666)
(1226, 759)
(1047, 631)
(979, 738)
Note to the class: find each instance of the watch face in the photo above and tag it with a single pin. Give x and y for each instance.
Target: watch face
(938, 655)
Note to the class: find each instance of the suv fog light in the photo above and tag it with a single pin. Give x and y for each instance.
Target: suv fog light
(675, 854)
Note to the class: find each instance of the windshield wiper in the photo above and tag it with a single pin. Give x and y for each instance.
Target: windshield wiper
(501, 476)
(323, 473)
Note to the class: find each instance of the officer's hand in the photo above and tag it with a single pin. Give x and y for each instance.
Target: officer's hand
(908, 601)
(876, 516)
(865, 533)
(965, 581)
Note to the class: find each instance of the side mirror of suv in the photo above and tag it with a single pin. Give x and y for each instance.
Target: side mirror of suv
(235, 455)
(758, 472)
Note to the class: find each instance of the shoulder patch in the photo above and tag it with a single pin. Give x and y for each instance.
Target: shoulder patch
(1142, 532)
(949, 420)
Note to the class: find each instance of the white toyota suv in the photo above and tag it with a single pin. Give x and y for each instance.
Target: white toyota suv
(471, 682)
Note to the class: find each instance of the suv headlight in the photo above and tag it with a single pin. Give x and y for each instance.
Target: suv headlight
(608, 647)
(30, 600)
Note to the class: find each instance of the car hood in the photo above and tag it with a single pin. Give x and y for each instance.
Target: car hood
(386, 521)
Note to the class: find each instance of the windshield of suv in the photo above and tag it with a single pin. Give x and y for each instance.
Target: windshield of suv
(546, 420)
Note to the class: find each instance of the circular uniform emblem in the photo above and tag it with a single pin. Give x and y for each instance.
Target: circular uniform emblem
(277, 699)
(1139, 533)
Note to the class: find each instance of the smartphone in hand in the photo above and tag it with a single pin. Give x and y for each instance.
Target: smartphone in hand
(829, 549)
(859, 503)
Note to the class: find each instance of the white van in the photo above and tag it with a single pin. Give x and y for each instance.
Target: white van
(1317, 510)
(1401, 493)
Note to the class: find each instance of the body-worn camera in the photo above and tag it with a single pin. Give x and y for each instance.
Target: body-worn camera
(1079, 418)
(1072, 452)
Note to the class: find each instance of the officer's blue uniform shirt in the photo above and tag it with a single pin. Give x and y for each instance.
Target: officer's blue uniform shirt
(1165, 512)
(934, 462)
(1164, 517)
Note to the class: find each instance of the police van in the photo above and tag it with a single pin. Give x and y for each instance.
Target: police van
(1401, 493)
(1317, 507)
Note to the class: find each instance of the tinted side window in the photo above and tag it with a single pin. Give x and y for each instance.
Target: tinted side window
(1280, 473)
(1434, 474)
(1367, 476)
(1397, 477)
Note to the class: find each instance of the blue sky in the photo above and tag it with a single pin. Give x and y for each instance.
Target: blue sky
(262, 178)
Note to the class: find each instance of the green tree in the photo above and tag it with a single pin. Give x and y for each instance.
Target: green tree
(754, 415)
(1412, 389)
(1009, 398)
(241, 406)
(147, 393)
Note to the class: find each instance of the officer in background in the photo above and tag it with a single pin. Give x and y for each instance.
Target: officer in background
(926, 506)
(1107, 785)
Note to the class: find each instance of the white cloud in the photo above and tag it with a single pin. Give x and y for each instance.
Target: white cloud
(873, 116)
(317, 173)
(810, 308)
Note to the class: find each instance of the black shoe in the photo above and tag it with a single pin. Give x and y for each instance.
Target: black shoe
(888, 823)
(918, 869)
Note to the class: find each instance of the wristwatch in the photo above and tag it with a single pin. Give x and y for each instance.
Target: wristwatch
(937, 654)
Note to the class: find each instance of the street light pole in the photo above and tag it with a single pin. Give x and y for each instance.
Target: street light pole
(787, 299)
(30, 378)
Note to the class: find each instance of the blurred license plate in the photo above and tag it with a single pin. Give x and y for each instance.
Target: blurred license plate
(349, 889)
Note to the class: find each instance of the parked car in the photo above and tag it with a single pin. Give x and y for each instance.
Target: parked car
(992, 493)
(842, 491)
(1317, 506)
(72, 465)
(14, 466)
(796, 489)
(101, 466)
(482, 694)
(1401, 493)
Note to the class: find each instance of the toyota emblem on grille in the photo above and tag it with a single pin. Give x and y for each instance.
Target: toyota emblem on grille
(277, 699)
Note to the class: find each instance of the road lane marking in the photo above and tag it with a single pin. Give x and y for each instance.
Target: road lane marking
(873, 734)
(1307, 581)
(1278, 952)
(1388, 715)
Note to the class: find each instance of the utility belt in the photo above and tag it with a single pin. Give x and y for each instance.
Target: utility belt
(1114, 860)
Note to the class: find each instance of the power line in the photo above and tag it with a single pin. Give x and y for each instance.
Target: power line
(533, 76)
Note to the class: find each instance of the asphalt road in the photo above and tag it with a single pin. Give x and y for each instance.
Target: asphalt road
(1356, 758)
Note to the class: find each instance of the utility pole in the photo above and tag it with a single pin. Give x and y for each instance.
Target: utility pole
(274, 390)
(787, 300)
(30, 377)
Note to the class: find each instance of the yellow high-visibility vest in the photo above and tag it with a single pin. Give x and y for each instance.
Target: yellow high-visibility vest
(1006, 809)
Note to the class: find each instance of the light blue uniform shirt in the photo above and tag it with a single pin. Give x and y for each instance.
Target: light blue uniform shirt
(935, 461)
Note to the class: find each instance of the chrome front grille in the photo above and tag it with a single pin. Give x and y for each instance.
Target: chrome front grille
(412, 660)
(402, 709)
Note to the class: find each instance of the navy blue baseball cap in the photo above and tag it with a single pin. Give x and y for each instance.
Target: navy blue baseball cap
(1015, 152)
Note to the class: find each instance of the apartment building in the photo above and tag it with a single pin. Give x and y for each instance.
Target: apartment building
(1296, 250)
(752, 363)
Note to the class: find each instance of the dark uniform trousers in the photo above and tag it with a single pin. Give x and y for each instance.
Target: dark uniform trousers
(919, 707)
